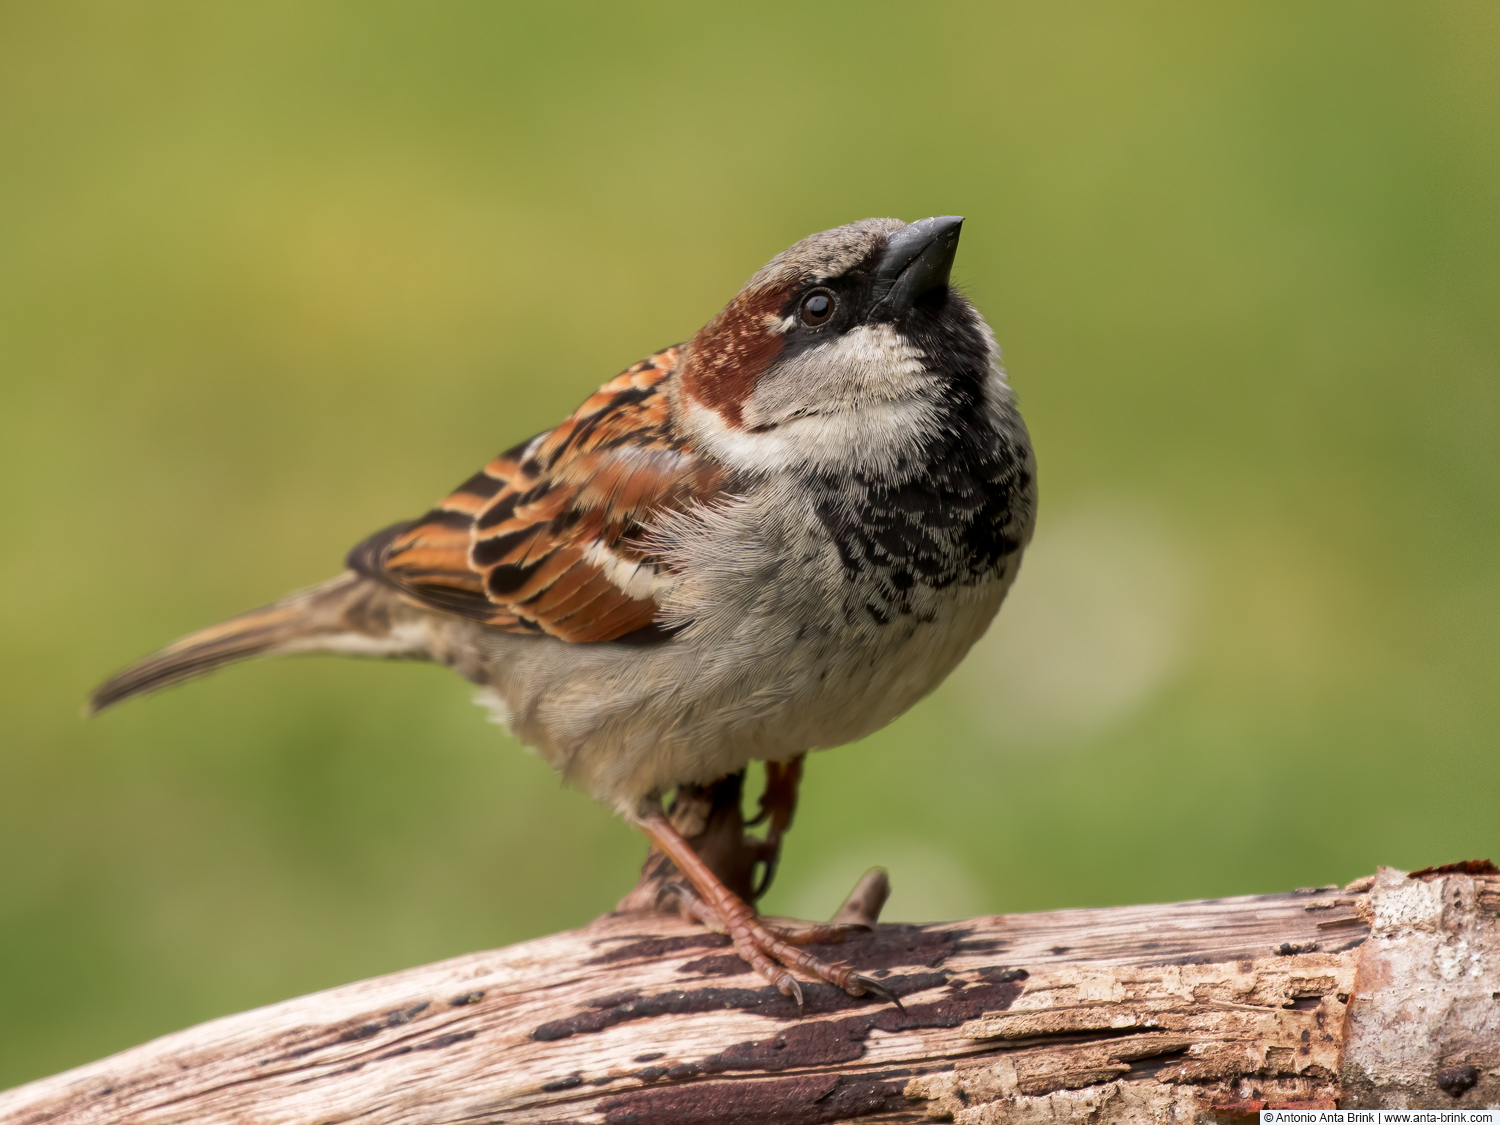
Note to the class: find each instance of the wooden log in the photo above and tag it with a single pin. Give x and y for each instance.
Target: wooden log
(1383, 993)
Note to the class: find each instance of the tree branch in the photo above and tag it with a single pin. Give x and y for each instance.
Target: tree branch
(1379, 994)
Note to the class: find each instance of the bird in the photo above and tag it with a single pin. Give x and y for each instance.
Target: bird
(773, 538)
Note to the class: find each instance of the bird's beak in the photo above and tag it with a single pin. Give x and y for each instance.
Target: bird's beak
(917, 260)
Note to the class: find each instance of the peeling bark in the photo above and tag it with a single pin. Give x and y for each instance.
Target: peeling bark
(1424, 1027)
(1385, 993)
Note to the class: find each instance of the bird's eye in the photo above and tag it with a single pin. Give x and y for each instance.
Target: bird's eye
(817, 307)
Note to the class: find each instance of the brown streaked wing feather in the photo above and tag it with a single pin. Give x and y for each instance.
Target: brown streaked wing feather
(545, 538)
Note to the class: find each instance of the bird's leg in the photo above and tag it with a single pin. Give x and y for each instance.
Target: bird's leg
(714, 904)
(709, 818)
(778, 803)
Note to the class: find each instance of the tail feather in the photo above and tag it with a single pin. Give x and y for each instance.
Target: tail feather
(347, 613)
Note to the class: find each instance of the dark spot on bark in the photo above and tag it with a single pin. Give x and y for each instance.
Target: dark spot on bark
(649, 949)
(909, 984)
(809, 1100)
(996, 975)
(394, 1018)
(1058, 950)
(946, 1011)
(684, 1070)
(1150, 1069)
(651, 1073)
(614, 999)
(467, 998)
(674, 1002)
(1186, 959)
(897, 947)
(568, 1083)
(814, 1043)
(718, 965)
(446, 1040)
(1456, 1081)
(649, 1056)
(830, 1042)
(874, 953)
(979, 945)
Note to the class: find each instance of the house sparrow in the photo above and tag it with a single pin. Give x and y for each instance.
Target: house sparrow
(773, 538)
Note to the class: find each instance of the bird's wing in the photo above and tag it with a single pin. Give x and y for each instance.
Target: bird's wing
(546, 538)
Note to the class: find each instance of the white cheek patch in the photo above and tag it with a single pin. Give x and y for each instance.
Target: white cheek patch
(867, 365)
(862, 399)
(873, 352)
(877, 437)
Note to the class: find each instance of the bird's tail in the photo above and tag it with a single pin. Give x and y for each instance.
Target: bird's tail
(350, 613)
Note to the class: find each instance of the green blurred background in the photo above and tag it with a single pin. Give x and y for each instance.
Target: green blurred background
(278, 274)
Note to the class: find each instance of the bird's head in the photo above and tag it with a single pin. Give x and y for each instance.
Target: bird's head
(840, 351)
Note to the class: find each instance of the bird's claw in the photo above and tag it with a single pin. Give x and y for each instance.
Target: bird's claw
(865, 984)
(791, 986)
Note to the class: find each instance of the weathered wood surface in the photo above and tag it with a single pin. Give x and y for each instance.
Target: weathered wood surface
(1384, 993)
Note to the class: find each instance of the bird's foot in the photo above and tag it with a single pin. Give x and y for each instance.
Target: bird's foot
(772, 947)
